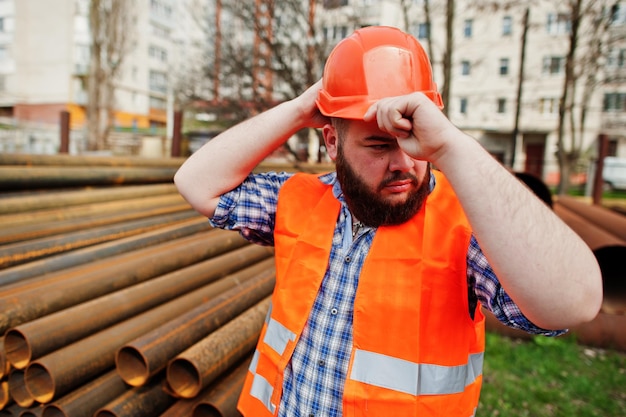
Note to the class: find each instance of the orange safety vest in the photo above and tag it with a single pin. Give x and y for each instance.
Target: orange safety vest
(416, 351)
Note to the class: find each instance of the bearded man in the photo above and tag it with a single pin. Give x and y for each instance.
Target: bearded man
(383, 267)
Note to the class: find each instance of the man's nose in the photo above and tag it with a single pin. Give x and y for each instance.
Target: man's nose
(400, 161)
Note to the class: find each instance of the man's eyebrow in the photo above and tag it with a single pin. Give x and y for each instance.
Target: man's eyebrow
(375, 138)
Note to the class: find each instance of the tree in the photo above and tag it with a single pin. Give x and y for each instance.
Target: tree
(268, 52)
(111, 42)
(589, 43)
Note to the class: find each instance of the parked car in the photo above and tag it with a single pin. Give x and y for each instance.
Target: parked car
(614, 173)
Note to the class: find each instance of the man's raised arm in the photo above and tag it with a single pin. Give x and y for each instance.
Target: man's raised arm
(224, 162)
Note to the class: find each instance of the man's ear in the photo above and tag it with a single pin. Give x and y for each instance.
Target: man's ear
(331, 140)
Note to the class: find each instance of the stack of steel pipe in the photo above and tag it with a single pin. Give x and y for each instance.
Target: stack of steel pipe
(116, 298)
(604, 230)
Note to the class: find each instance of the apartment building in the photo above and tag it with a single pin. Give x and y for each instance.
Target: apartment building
(45, 59)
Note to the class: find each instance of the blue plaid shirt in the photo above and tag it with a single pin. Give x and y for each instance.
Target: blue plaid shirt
(315, 376)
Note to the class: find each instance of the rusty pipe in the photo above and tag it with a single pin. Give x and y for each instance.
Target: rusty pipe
(87, 160)
(103, 250)
(34, 411)
(146, 401)
(67, 275)
(221, 400)
(17, 177)
(5, 365)
(13, 410)
(63, 370)
(32, 339)
(22, 252)
(64, 199)
(606, 219)
(77, 285)
(18, 390)
(5, 396)
(138, 360)
(594, 236)
(41, 226)
(202, 363)
(86, 400)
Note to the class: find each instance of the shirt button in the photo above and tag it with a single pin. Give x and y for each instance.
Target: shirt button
(334, 311)
(322, 363)
(348, 259)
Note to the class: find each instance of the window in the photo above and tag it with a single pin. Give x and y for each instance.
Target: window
(548, 106)
(467, 28)
(507, 26)
(616, 58)
(618, 15)
(614, 102)
(423, 31)
(463, 105)
(504, 66)
(501, 105)
(158, 81)
(553, 65)
(465, 68)
(558, 24)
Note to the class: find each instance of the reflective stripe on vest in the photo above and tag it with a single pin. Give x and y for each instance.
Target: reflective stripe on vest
(276, 336)
(414, 378)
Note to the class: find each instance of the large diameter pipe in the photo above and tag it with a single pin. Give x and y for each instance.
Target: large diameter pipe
(18, 390)
(44, 177)
(63, 370)
(221, 401)
(64, 199)
(139, 360)
(94, 253)
(22, 252)
(594, 236)
(602, 217)
(99, 278)
(46, 216)
(32, 339)
(201, 364)
(87, 160)
(86, 400)
(147, 401)
(35, 227)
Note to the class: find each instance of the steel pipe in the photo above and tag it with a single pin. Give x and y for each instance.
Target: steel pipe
(22, 252)
(17, 389)
(64, 199)
(103, 250)
(32, 339)
(146, 401)
(5, 397)
(5, 365)
(87, 160)
(63, 370)
(17, 177)
(13, 410)
(86, 400)
(138, 360)
(606, 219)
(201, 364)
(594, 236)
(72, 287)
(221, 401)
(36, 224)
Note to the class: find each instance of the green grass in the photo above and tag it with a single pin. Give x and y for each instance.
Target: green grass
(551, 377)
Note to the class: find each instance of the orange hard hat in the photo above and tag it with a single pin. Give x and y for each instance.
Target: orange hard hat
(372, 63)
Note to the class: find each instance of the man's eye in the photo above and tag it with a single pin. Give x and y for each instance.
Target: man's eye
(379, 147)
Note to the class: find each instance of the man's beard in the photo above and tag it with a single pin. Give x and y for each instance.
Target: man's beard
(370, 207)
